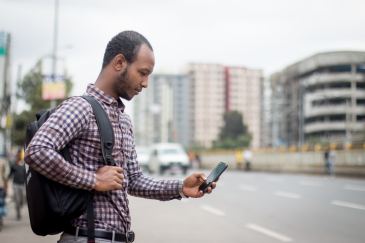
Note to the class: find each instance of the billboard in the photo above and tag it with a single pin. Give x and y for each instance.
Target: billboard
(3, 43)
(53, 88)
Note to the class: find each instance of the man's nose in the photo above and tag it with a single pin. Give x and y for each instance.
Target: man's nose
(145, 82)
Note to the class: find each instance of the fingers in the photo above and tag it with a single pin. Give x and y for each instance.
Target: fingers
(118, 169)
(211, 188)
(214, 184)
(118, 180)
(119, 175)
(109, 178)
(200, 194)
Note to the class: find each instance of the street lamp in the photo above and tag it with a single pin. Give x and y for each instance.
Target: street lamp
(55, 42)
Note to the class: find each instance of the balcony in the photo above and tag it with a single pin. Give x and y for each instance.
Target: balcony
(334, 93)
(333, 126)
(331, 110)
(331, 78)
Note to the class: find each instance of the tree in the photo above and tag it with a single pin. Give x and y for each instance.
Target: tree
(234, 133)
(30, 90)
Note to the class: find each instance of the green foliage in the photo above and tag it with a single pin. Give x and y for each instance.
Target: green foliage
(18, 129)
(30, 90)
(234, 133)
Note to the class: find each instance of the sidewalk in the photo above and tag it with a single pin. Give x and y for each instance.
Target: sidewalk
(19, 231)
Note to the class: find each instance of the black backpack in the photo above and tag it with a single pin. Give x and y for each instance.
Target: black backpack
(53, 205)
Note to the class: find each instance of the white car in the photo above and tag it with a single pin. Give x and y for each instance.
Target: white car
(143, 156)
(167, 156)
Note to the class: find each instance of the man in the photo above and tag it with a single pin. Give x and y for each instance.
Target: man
(128, 62)
(17, 172)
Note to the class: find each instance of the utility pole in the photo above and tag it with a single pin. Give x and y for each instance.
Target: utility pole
(54, 53)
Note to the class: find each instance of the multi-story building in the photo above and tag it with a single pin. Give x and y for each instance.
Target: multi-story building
(207, 102)
(244, 94)
(189, 108)
(266, 114)
(161, 112)
(320, 99)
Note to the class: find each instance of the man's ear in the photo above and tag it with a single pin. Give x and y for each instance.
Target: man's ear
(119, 62)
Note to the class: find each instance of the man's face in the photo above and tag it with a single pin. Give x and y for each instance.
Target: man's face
(132, 79)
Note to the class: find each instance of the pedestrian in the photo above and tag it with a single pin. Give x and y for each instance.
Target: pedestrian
(198, 160)
(247, 156)
(329, 158)
(17, 173)
(4, 171)
(127, 64)
(239, 160)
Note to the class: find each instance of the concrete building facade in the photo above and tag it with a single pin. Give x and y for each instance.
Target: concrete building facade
(319, 99)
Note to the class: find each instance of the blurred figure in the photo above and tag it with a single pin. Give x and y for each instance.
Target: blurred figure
(247, 156)
(198, 160)
(239, 160)
(17, 172)
(329, 160)
(4, 170)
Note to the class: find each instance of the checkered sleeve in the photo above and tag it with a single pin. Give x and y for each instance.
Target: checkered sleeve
(66, 123)
(142, 186)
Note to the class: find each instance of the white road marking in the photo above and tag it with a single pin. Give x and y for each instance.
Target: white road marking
(310, 183)
(348, 204)
(287, 194)
(275, 179)
(354, 188)
(269, 233)
(213, 210)
(248, 188)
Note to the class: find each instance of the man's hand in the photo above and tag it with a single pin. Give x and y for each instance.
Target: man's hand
(191, 185)
(109, 178)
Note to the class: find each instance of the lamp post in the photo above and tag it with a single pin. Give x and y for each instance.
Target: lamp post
(54, 52)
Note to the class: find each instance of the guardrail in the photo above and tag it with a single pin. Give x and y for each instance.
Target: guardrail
(349, 162)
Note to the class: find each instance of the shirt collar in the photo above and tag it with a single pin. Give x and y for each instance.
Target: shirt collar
(103, 97)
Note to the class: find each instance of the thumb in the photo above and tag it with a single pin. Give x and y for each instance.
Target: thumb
(200, 176)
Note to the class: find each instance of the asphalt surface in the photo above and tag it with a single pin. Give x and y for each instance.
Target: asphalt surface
(245, 207)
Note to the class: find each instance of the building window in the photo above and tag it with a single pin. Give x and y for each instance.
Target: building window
(339, 69)
(360, 85)
(360, 68)
(329, 102)
(360, 102)
(360, 118)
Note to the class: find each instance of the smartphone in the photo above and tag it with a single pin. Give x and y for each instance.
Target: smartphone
(213, 176)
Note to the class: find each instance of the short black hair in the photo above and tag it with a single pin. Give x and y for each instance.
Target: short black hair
(127, 43)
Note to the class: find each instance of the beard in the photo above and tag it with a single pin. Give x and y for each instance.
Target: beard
(122, 84)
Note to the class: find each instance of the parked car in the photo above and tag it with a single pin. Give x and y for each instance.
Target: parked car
(143, 156)
(168, 156)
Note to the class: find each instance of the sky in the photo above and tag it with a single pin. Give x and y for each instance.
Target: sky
(261, 34)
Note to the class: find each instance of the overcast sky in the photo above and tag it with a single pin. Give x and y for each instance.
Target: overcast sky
(264, 34)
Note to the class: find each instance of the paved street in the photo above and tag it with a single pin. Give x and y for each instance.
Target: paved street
(246, 207)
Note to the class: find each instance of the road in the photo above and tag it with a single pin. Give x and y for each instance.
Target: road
(247, 207)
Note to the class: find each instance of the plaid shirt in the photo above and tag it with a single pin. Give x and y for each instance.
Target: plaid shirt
(74, 123)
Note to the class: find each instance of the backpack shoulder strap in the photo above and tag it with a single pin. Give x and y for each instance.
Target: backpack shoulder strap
(107, 144)
(105, 129)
